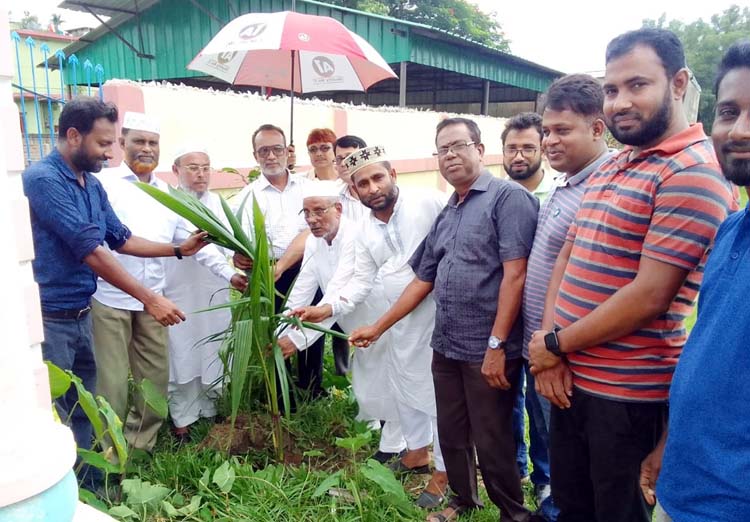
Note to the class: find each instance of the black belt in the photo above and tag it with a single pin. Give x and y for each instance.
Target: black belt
(67, 314)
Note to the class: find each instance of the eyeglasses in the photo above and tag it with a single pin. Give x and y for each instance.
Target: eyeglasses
(264, 152)
(314, 149)
(526, 152)
(318, 212)
(456, 148)
(195, 169)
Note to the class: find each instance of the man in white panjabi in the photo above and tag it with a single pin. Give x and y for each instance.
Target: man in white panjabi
(398, 222)
(195, 369)
(127, 339)
(328, 263)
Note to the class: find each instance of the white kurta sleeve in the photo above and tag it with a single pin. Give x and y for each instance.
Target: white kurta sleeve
(303, 293)
(209, 256)
(360, 284)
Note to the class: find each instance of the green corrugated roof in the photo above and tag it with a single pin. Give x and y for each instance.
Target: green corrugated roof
(174, 31)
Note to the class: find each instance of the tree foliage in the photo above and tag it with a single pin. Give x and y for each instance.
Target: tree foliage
(456, 16)
(705, 43)
(30, 21)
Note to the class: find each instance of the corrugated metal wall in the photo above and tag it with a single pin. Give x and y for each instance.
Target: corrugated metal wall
(174, 31)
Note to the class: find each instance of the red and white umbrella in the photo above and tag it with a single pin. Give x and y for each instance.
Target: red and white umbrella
(288, 50)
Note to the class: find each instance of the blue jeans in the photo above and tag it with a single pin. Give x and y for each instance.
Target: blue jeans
(67, 344)
(538, 409)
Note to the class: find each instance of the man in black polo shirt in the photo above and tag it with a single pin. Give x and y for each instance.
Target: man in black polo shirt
(474, 258)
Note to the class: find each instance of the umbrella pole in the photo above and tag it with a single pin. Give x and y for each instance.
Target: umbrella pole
(291, 112)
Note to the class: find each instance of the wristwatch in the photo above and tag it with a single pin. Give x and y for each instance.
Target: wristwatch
(494, 343)
(552, 343)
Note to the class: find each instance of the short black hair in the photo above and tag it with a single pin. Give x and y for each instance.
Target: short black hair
(523, 121)
(474, 132)
(578, 93)
(81, 112)
(665, 44)
(349, 141)
(267, 127)
(736, 57)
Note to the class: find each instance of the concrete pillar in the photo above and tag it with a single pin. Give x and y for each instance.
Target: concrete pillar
(486, 97)
(402, 85)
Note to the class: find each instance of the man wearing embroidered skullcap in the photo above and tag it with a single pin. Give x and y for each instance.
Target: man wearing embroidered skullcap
(328, 263)
(126, 339)
(398, 222)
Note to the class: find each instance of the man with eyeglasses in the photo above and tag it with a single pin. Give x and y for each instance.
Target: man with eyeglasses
(279, 194)
(522, 154)
(474, 258)
(329, 264)
(126, 338)
(194, 365)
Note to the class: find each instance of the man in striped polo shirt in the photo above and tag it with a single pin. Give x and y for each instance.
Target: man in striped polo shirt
(625, 280)
(573, 129)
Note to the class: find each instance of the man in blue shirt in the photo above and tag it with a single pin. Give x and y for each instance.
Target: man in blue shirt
(706, 460)
(70, 220)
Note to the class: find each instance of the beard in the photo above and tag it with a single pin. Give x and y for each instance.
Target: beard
(735, 170)
(141, 168)
(649, 131)
(83, 162)
(388, 200)
(523, 174)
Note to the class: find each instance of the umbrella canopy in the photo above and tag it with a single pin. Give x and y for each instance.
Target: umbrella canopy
(288, 50)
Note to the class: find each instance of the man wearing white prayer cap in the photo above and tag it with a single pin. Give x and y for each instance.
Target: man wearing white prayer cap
(386, 239)
(195, 369)
(127, 339)
(328, 263)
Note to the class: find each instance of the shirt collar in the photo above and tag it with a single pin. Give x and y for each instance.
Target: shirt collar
(124, 172)
(481, 184)
(60, 162)
(671, 145)
(574, 180)
(263, 183)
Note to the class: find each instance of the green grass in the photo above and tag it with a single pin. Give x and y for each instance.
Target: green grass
(263, 490)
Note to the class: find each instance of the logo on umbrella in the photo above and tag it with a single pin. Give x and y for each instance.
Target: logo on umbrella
(303, 37)
(323, 66)
(252, 31)
(226, 57)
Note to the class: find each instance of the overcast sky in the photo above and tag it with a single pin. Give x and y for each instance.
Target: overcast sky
(569, 36)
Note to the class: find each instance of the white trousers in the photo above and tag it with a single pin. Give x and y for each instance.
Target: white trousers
(391, 438)
(660, 515)
(190, 401)
(420, 430)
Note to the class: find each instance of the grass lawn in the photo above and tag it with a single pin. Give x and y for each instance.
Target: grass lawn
(327, 476)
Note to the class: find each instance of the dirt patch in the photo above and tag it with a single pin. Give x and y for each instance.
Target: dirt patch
(250, 434)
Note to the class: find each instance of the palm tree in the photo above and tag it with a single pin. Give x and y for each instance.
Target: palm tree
(56, 20)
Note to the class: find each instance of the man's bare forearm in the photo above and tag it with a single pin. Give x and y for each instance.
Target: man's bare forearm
(509, 297)
(140, 247)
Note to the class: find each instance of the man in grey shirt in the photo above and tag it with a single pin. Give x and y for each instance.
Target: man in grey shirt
(475, 260)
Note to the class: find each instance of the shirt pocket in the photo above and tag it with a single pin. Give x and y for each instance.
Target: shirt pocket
(474, 243)
(628, 219)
